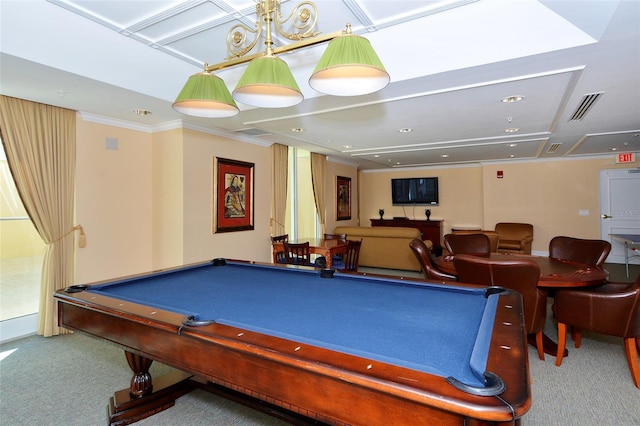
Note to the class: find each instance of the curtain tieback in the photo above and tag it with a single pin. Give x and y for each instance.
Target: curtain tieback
(82, 239)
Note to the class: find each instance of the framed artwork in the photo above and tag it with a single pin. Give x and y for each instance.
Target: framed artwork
(233, 195)
(343, 198)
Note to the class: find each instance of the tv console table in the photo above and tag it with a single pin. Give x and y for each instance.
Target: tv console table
(430, 229)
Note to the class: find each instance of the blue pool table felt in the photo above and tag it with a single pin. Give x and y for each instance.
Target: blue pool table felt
(422, 326)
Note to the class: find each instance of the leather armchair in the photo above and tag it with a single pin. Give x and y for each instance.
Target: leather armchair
(612, 309)
(477, 244)
(514, 237)
(423, 254)
(521, 275)
(589, 252)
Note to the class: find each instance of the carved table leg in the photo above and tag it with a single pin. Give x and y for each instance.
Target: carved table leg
(142, 399)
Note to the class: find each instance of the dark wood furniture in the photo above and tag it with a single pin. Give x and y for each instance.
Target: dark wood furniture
(320, 246)
(430, 229)
(331, 350)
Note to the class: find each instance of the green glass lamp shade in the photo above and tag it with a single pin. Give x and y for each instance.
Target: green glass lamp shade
(205, 95)
(268, 83)
(349, 67)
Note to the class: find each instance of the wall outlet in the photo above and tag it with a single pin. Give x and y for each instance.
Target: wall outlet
(583, 212)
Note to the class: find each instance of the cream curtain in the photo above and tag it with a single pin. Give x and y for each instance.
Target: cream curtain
(39, 141)
(318, 178)
(279, 172)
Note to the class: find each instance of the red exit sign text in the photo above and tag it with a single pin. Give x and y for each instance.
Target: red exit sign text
(626, 157)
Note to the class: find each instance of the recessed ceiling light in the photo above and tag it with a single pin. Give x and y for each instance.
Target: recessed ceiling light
(513, 145)
(347, 146)
(511, 130)
(515, 98)
(297, 130)
(376, 156)
(405, 130)
(445, 156)
(511, 156)
(142, 112)
(613, 149)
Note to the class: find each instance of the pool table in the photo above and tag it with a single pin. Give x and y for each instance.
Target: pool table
(312, 346)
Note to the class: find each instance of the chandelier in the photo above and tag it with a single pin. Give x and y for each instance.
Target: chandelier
(348, 67)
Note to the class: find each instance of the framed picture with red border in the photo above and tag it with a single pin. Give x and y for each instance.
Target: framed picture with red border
(343, 198)
(233, 195)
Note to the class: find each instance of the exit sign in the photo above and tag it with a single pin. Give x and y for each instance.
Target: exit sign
(626, 157)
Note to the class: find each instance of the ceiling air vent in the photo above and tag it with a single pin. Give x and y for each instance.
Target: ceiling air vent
(553, 148)
(585, 106)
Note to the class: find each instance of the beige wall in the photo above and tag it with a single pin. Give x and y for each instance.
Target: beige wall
(460, 188)
(113, 201)
(199, 241)
(148, 204)
(547, 194)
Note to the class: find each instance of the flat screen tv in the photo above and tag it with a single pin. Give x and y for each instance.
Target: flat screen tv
(411, 191)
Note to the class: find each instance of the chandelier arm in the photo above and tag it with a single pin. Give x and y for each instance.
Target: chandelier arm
(237, 37)
(301, 18)
(282, 49)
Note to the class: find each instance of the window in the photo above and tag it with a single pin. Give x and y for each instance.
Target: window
(302, 217)
(21, 252)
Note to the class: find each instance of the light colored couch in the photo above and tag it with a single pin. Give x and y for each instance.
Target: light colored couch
(385, 246)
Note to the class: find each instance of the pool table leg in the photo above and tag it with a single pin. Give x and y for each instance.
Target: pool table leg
(145, 397)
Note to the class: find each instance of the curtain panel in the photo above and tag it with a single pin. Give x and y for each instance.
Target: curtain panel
(279, 173)
(318, 178)
(39, 141)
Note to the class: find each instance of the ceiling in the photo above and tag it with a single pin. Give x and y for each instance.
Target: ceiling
(451, 63)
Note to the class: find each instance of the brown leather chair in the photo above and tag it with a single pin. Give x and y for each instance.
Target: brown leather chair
(351, 256)
(279, 256)
(612, 309)
(492, 235)
(521, 275)
(297, 254)
(588, 252)
(477, 244)
(423, 254)
(514, 237)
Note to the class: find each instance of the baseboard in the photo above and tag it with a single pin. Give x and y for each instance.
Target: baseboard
(16, 328)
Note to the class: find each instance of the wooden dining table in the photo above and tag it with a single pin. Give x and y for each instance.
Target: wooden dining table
(320, 246)
(554, 274)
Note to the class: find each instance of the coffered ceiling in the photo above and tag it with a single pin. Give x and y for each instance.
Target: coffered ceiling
(451, 64)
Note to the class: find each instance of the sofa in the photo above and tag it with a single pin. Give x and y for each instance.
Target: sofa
(385, 246)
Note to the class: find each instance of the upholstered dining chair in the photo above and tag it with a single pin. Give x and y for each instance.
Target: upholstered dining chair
(351, 256)
(612, 309)
(279, 256)
(423, 254)
(521, 275)
(477, 244)
(298, 253)
(589, 252)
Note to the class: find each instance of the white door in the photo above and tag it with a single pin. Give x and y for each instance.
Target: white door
(619, 208)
